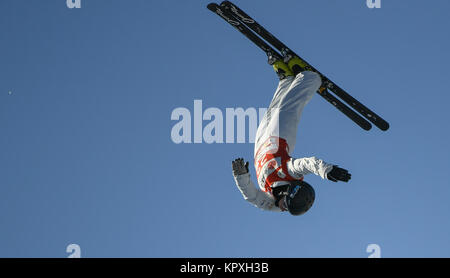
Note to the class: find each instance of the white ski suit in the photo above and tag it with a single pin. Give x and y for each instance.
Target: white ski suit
(275, 141)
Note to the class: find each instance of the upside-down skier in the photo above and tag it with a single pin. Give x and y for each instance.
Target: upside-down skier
(280, 176)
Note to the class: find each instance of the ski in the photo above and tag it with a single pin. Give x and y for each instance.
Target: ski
(273, 55)
(258, 29)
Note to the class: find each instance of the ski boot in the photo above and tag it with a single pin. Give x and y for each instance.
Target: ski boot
(280, 67)
(295, 64)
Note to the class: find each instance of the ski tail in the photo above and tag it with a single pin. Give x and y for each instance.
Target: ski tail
(237, 24)
(260, 30)
(362, 109)
(351, 114)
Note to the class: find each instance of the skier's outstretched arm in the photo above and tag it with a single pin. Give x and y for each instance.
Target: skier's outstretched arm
(247, 188)
(313, 165)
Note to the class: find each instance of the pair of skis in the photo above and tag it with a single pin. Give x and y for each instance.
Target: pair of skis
(251, 29)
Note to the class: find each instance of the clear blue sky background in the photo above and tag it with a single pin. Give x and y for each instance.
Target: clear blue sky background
(86, 155)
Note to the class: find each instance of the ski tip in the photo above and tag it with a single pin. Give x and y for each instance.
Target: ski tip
(224, 3)
(212, 6)
(365, 125)
(385, 126)
(381, 124)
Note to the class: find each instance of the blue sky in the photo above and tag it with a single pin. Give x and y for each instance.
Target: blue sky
(86, 97)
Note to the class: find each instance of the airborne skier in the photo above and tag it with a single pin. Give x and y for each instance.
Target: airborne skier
(280, 177)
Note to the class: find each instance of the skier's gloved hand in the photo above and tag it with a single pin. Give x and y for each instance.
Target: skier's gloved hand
(339, 174)
(239, 167)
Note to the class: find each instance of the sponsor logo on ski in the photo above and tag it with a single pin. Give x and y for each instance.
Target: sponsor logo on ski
(232, 22)
(243, 18)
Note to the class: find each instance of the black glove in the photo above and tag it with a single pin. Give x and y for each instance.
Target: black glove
(239, 167)
(339, 174)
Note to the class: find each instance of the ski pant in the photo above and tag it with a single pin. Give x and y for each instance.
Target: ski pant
(283, 115)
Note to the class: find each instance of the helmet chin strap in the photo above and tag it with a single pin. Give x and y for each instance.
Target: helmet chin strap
(283, 203)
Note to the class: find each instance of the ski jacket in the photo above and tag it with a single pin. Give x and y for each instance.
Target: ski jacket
(296, 168)
(275, 140)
